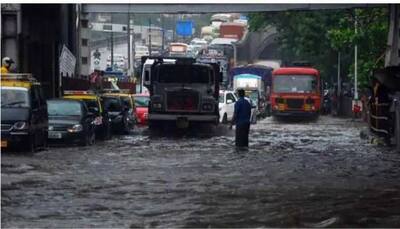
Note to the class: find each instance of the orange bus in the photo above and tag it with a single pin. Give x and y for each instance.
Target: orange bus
(295, 91)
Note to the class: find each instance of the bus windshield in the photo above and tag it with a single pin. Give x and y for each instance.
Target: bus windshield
(295, 84)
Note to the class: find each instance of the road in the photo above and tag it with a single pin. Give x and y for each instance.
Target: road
(313, 174)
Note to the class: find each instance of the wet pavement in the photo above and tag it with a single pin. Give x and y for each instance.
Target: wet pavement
(309, 174)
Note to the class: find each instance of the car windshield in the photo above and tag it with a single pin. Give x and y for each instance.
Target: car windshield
(63, 108)
(142, 101)
(90, 103)
(295, 84)
(112, 104)
(14, 97)
(183, 74)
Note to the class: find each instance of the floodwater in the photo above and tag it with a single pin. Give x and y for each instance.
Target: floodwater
(308, 174)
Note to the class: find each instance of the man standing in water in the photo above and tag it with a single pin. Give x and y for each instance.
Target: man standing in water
(241, 118)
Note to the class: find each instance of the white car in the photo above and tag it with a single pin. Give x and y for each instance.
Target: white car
(119, 61)
(141, 50)
(226, 106)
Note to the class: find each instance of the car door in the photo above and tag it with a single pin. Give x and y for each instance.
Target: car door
(230, 107)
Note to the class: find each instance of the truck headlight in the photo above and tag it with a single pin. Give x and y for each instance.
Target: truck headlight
(20, 125)
(157, 105)
(207, 106)
(75, 128)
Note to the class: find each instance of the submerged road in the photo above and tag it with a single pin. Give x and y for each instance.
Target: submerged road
(313, 174)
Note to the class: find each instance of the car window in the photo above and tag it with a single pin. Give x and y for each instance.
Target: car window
(230, 96)
(14, 97)
(127, 102)
(112, 104)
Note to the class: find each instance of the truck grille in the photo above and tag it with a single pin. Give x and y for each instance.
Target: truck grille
(184, 100)
(6, 127)
(295, 103)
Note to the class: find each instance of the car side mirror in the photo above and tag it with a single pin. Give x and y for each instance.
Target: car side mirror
(229, 101)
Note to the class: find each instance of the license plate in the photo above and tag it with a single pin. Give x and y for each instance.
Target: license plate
(4, 144)
(55, 135)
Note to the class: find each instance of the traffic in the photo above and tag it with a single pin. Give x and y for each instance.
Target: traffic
(191, 116)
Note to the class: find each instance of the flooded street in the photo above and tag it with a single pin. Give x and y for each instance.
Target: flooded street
(314, 174)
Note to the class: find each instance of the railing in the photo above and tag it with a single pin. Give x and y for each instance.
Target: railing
(379, 117)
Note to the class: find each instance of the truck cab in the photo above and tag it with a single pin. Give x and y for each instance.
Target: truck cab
(182, 91)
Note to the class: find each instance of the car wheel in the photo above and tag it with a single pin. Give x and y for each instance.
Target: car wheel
(225, 119)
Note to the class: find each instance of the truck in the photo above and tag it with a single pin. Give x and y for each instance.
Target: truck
(232, 30)
(256, 81)
(296, 91)
(182, 92)
(215, 56)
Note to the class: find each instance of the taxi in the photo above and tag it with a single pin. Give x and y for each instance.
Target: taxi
(121, 109)
(24, 120)
(94, 103)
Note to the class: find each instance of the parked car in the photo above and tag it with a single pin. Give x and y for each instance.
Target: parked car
(119, 112)
(127, 101)
(142, 108)
(24, 119)
(71, 121)
(94, 105)
(226, 105)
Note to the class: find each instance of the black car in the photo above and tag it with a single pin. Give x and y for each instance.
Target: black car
(70, 120)
(118, 112)
(23, 114)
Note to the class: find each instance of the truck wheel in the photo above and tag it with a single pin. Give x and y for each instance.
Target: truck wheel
(30, 146)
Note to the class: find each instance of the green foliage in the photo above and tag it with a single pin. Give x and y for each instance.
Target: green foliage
(317, 36)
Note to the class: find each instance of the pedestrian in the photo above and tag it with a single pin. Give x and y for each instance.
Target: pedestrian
(6, 65)
(241, 118)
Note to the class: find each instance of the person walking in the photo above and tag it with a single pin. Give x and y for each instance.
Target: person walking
(241, 118)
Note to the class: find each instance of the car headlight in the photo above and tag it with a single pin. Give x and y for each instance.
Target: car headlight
(51, 128)
(20, 125)
(75, 128)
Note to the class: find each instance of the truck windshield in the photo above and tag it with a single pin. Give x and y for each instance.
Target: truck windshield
(183, 74)
(294, 84)
(14, 97)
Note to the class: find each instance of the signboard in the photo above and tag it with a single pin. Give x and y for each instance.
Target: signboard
(184, 28)
(67, 62)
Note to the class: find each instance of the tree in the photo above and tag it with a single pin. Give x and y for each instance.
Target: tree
(317, 36)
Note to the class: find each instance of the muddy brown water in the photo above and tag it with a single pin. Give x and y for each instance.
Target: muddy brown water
(308, 174)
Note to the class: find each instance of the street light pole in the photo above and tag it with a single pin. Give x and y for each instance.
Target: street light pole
(355, 61)
(149, 36)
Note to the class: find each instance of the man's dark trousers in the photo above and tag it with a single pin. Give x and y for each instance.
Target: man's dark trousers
(242, 135)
